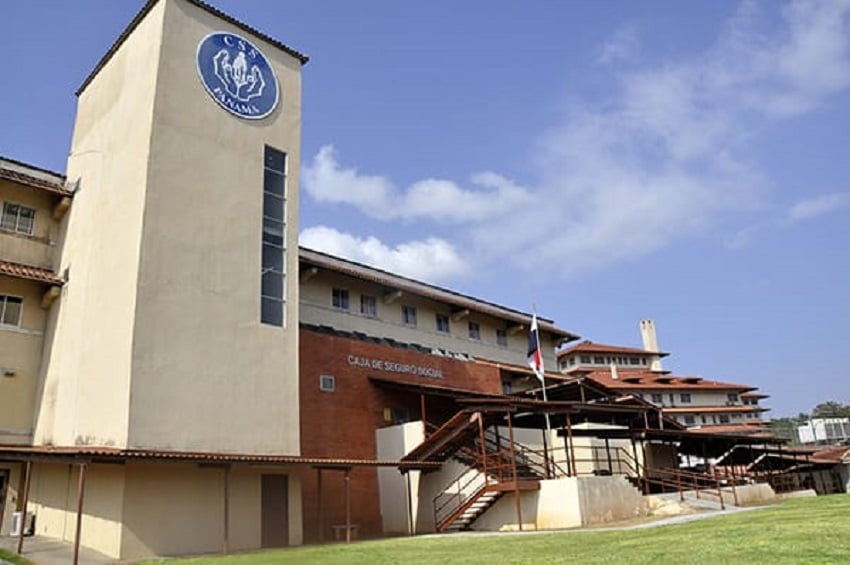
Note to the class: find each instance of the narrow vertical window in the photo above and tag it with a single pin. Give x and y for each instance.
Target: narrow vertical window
(502, 338)
(408, 316)
(10, 310)
(273, 291)
(442, 323)
(368, 306)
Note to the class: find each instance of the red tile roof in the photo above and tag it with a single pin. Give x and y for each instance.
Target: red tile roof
(590, 347)
(33, 182)
(649, 380)
(29, 273)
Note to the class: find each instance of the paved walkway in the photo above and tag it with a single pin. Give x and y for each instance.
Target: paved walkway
(48, 551)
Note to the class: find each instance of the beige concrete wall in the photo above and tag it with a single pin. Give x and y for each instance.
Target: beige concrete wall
(178, 509)
(609, 499)
(53, 500)
(566, 503)
(20, 351)
(36, 249)
(206, 375)
(85, 398)
(393, 443)
(316, 309)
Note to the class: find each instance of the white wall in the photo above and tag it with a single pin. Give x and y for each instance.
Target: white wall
(394, 442)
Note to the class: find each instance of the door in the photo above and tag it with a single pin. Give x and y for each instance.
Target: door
(4, 483)
(275, 511)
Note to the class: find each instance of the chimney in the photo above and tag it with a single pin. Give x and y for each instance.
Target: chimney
(650, 343)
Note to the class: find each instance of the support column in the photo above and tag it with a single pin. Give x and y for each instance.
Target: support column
(572, 453)
(27, 477)
(226, 544)
(319, 508)
(81, 490)
(608, 453)
(567, 452)
(513, 468)
(348, 506)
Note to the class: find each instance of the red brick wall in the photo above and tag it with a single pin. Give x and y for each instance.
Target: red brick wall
(342, 424)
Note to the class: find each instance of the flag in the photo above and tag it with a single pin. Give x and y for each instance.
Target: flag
(535, 357)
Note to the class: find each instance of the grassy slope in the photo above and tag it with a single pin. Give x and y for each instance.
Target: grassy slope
(812, 530)
(13, 558)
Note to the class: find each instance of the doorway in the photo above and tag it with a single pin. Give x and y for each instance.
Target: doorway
(275, 511)
(4, 484)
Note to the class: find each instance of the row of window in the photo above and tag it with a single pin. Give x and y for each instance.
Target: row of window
(11, 308)
(602, 360)
(340, 299)
(17, 218)
(690, 419)
(685, 398)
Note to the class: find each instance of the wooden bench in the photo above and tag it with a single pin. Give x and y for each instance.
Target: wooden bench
(339, 531)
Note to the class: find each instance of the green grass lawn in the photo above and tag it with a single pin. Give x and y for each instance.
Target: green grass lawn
(13, 557)
(810, 530)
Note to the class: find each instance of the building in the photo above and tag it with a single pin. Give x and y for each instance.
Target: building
(698, 403)
(177, 376)
(824, 431)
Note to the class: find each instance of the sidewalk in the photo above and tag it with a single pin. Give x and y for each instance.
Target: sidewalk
(48, 551)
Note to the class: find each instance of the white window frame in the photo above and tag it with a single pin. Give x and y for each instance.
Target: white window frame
(368, 302)
(343, 294)
(474, 331)
(409, 315)
(437, 318)
(3, 303)
(327, 383)
(16, 227)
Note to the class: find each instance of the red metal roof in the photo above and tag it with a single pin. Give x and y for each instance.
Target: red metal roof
(116, 454)
(29, 273)
(590, 347)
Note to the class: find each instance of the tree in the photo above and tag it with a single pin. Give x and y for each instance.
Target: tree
(831, 409)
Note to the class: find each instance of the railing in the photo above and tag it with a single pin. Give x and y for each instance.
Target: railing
(460, 493)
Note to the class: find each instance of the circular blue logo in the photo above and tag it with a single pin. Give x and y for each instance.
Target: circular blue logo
(237, 75)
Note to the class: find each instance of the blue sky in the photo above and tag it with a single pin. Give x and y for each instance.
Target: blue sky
(609, 161)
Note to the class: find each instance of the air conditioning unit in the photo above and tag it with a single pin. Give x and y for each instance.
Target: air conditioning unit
(18, 522)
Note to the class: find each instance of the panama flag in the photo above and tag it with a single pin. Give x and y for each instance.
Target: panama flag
(535, 358)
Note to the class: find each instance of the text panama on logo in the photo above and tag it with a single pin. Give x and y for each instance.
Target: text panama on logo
(237, 75)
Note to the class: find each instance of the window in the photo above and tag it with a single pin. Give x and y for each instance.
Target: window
(339, 298)
(368, 306)
(657, 398)
(474, 331)
(585, 359)
(10, 310)
(599, 360)
(442, 323)
(724, 418)
(634, 361)
(273, 271)
(408, 316)
(690, 420)
(327, 383)
(685, 397)
(732, 397)
(17, 218)
(502, 338)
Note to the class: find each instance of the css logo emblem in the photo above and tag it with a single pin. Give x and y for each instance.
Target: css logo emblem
(237, 75)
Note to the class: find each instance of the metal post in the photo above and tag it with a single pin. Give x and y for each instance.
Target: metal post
(348, 506)
(513, 466)
(27, 476)
(226, 545)
(572, 453)
(567, 452)
(608, 453)
(483, 446)
(321, 515)
(81, 488)
(410, 529)
(422, 410)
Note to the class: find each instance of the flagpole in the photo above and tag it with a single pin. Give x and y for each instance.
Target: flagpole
(542, 377)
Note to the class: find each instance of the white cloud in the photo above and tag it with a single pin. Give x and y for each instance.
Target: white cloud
(432, 259)
(658, 161)
(817, 206)
(434, 199)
